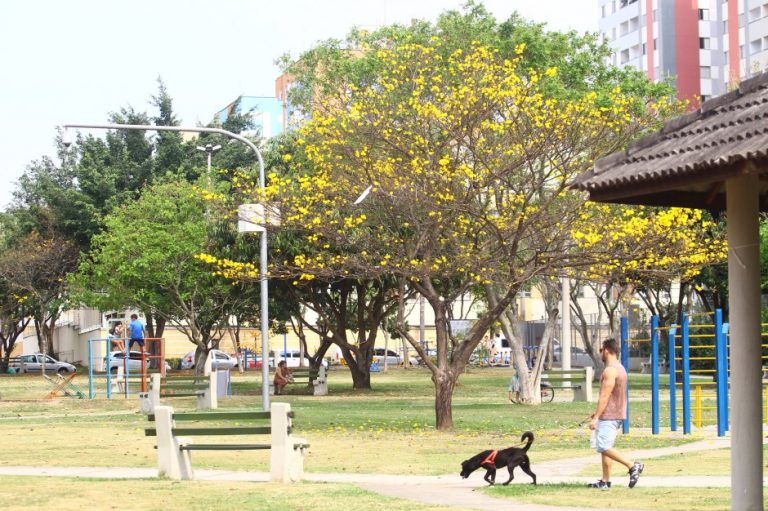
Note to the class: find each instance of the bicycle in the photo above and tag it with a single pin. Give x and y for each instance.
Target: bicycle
(547, 392)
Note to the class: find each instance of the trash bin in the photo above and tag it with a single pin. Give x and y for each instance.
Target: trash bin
(222, 383)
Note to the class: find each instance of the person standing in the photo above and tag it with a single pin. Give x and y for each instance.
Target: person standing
(609, 416)
(137, 331)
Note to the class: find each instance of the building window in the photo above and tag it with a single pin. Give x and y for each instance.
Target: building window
(755, 46)
(704, 14)
(725, 58)
(741, 51)
(602, 11)
(654, 44)
(613, 6)
(624, 56)
(643, 48)
(705, 72)
(704, 43)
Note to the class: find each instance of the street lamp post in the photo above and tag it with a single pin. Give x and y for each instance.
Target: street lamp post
(209, 149)
(263, 256)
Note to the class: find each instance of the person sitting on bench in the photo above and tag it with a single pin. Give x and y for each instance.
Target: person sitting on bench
(282, 377)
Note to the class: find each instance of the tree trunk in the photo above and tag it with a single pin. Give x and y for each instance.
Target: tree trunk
(445, 382)
(361, 375)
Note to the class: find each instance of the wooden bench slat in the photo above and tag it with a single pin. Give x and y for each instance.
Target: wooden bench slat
(224, 447)
(203, 416)
(236, 430)
(184, 379)
(184, 386)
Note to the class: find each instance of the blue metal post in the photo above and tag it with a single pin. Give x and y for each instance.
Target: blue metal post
(625, 363)
(91, 391)
(686, 376)
(655, 375)
(727, 358)
(672, 378)
(722, 375)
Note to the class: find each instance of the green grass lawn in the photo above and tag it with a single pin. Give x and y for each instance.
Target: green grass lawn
(618, 497)
(71, 494)
(387, 430)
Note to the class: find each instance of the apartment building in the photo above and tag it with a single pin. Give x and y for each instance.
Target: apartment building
(265, 112)
(703, 46)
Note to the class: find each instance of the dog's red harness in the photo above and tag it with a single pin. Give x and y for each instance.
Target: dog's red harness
(491, 458)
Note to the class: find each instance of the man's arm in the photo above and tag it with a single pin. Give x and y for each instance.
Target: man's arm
(608, 381)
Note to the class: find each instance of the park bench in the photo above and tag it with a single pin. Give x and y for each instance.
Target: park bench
(308, 376)
(579, 380)
(174, 458)
(203, 387)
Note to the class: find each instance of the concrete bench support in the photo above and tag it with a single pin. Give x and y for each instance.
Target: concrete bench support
(321, 383)
(172, 462)
(286, 463)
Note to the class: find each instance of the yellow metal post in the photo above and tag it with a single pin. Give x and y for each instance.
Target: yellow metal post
(697, 407)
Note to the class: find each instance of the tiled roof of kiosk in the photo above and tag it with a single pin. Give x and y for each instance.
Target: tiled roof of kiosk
(686, 162)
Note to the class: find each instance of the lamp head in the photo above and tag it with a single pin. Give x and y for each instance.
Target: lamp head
(66, 138)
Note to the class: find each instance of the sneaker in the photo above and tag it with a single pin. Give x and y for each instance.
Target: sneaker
(634, 473)
(600, 485)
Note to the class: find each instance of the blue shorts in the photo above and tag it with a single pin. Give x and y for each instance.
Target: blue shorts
(140, 342)
(606, 433)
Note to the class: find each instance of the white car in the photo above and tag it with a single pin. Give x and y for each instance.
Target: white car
(392, 358)
(117, 359)
(292, 358)
(220, 360)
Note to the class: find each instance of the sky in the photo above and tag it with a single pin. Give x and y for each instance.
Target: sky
(76, 61)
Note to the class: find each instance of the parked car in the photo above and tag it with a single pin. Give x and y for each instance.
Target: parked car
(34, 364)
(292, 358)
(117, 359)
(392, 358)
(579, 357)
(220, 360)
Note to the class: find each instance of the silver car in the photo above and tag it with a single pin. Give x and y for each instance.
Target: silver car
(117, 359)
(391, 358)
(34, 364)
(220, 360)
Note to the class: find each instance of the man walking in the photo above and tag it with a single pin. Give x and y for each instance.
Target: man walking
(136, 329)
(610, 414)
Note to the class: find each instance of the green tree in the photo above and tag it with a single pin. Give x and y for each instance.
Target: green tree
(147, 257)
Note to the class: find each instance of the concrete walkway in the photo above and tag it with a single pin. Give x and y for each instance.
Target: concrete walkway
(448, 490)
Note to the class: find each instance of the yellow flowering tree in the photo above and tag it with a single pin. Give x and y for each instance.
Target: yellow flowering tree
(641, 250)
(468, 162)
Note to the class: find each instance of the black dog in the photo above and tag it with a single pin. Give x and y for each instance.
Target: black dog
(510, 457)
